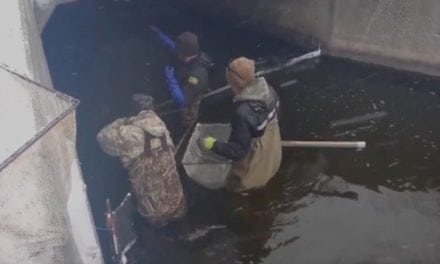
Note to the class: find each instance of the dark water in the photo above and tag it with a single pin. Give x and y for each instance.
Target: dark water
(379, 205)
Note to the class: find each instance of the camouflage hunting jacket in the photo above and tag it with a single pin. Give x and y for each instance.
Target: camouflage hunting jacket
(144, 146)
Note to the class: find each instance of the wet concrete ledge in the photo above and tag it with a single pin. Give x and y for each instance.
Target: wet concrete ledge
(403, 34)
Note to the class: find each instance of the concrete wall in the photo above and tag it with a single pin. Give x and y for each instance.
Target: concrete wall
(404, 34)
(45, 216)
(43, 10)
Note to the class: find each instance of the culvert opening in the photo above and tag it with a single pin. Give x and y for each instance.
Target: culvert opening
(102, 52)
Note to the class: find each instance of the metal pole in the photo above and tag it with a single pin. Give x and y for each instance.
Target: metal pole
(324, 144)
(289, 63)
(111, 225)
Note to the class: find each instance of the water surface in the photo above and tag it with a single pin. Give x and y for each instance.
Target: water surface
(379, 205)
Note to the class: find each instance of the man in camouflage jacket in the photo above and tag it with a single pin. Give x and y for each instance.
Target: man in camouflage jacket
(144, 146)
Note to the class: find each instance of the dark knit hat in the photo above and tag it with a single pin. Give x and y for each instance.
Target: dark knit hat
(187, 44)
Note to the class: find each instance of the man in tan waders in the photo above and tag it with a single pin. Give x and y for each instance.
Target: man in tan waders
(143, 145)
(255, 143)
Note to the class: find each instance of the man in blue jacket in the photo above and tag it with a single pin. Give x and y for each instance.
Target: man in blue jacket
(187, 79)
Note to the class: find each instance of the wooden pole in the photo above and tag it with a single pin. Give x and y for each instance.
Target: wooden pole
(324, 144)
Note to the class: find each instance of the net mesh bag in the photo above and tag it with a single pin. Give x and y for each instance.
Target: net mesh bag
(205, 167)
(33, 221)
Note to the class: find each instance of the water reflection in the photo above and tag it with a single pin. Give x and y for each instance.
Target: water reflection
(385, 227)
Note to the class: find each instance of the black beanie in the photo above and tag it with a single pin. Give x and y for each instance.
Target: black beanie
(187, 44)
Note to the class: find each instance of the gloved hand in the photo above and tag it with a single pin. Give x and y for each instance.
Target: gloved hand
(208, 143)
(174, 87)
(166, 40)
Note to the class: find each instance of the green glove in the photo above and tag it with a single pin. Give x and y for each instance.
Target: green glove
(208, 142)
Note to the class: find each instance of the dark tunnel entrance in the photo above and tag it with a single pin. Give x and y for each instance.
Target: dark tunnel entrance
(102, 52)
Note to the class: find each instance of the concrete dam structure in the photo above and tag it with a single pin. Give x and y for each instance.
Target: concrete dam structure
(401, 34)
(45, 215)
